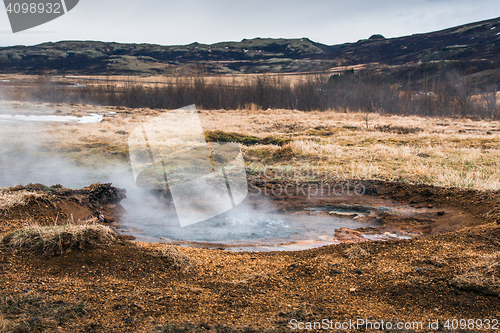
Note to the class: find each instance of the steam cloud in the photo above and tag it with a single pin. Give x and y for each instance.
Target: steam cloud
(26, 156)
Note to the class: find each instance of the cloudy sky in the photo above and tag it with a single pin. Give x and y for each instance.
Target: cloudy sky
(208, 21)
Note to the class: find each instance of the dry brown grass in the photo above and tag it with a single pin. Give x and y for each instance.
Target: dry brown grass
(489, 261)
(435, 260)
(228, 79)
(5, 325)
(476, 282)
(56, 239)
(478, 273)
(38, 312)
(356, 252)
(443, 151)
(10, 199)
(173, 256)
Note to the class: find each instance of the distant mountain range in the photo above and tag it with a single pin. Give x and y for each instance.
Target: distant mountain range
(474, 48)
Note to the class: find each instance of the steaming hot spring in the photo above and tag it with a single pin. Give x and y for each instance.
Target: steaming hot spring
(269, 215)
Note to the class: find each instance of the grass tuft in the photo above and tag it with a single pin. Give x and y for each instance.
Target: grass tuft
(5, 325)
(476, 282)
(56, 239)
(435, 261)
(37, 313)
(173, 257)
(11, 199)
(356, 252)
(490, 261)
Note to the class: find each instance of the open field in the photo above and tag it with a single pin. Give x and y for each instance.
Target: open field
(435, 151)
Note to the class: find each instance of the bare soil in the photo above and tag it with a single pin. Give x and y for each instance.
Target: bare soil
(128, 287)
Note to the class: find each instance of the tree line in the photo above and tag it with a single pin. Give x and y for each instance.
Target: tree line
(447, 94)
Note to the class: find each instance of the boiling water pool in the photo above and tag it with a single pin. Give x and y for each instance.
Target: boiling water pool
(242, 229)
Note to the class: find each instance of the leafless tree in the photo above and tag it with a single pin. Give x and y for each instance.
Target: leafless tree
(489, 96)
(462, 93)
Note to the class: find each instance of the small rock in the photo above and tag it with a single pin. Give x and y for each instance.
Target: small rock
(336, 271)
(205, 326)
(33, 320)
(108, 219)
(352, 290)
(430, 206)
(421, 269)
(359, 271)
(427, 193)
(440, 213)
(293, 265)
